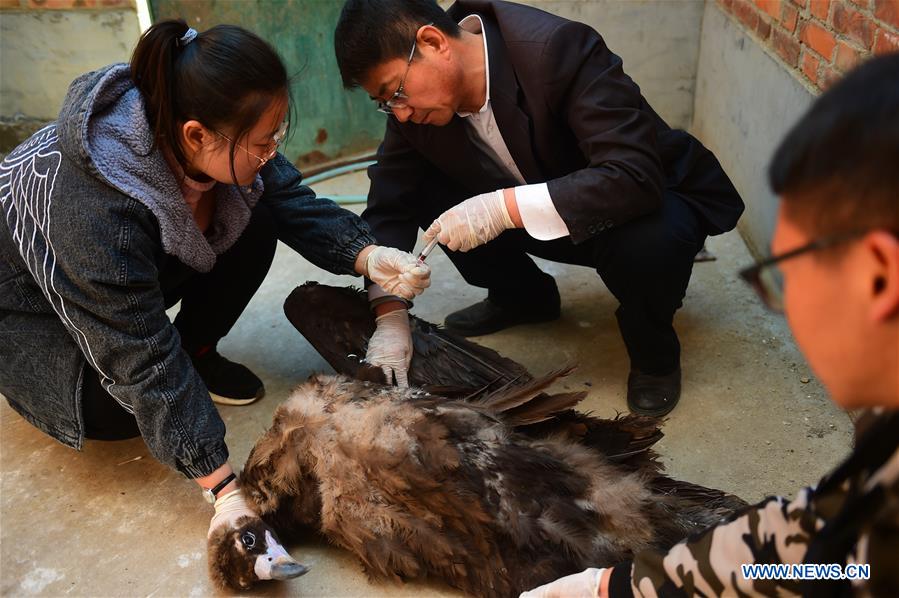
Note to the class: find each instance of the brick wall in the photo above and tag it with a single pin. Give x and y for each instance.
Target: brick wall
(64, 4)
(819, 40)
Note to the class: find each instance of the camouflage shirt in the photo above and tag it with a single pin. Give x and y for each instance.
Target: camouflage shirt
(850, 518)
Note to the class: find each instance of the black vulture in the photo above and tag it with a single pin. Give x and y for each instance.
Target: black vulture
(474, 475)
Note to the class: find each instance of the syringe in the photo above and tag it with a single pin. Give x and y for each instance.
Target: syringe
(428, 248)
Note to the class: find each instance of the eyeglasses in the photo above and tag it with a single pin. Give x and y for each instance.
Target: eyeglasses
(277, 140)
(399, 99)
(766, 278)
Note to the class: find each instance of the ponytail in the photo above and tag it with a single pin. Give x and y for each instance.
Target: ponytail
(224, 77)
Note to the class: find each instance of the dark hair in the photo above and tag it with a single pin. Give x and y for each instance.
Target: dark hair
(225, 78)
(839, 166)
(370, 32)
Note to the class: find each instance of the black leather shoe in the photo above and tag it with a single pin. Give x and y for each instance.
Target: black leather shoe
(649, 394)
(488, 316)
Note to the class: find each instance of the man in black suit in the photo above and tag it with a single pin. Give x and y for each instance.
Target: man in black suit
(516, 132)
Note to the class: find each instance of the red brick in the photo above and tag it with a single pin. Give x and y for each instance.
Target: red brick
(785, 46)
(763, 28)
(61, 4)
(854, 24)
(887, 11)
(772, 7)
(789, 17)
(810, 66)
(847, 57)
(117, 3)
(746, 13)
(9, 4)
(818, 39)
(801, 3)
(829, 77)
(727, 5)
(887, 42)
(820, 8)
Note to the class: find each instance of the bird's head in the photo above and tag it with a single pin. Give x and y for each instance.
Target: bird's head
(245, 550)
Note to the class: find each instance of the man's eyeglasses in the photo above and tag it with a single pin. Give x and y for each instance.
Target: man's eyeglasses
(767, 280)
(275, 143)
(399, 99)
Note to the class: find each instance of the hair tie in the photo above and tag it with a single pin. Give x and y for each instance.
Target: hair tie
(188, 37)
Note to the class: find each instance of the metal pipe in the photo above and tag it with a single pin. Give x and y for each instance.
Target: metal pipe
(333, 172)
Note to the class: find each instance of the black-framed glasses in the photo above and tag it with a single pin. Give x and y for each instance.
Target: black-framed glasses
(399, 99)
(275, 143)
(766, 279)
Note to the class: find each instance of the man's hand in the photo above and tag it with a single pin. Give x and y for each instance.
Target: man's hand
(579, 585)
(390, 347)
(472, 223)
(397, 272)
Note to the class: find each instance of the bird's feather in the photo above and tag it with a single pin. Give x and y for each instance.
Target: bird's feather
(495, 486)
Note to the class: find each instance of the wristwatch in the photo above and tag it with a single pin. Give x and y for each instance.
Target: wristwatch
(210, 493)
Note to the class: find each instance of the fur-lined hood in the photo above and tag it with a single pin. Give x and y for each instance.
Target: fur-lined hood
(103, 128)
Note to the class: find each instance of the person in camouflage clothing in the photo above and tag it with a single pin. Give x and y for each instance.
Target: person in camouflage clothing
(836, 246)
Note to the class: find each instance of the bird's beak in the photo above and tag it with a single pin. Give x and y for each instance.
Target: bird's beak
(276, 563)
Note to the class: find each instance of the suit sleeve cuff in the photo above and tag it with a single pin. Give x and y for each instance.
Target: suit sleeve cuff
(538, 214)
(620, 582)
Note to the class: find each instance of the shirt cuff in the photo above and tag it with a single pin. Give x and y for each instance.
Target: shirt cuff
(538, 214)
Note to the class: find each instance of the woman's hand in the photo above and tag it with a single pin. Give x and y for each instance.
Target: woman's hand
(390, 347)
(397, 272)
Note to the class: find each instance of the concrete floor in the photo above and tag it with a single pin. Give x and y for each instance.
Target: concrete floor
(111, 521)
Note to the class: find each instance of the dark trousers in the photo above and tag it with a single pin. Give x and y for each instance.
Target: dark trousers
(211, 303)
(645, 263)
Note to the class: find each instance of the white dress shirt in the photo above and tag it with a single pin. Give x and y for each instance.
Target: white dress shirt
(538, 213)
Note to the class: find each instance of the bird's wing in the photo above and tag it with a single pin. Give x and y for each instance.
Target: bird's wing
(689, 508)
(626, 439)
(337, 322)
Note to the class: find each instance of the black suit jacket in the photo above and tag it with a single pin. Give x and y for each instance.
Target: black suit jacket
(570, 117)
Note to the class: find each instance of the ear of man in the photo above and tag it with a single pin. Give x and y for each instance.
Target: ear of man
(433, 40)
(881, 253)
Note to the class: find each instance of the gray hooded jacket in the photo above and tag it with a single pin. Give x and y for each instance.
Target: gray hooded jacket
(90, 213)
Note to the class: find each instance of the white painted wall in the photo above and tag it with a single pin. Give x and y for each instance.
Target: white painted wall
(745, 103)
(42, 51)
(658, 40)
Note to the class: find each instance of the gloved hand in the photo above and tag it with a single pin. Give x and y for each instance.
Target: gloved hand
(398, 272)
(228, 509)
(390, 347)
(579, 585)
(473, 222)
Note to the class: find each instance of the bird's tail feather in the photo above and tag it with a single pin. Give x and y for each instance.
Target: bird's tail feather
(527, 403)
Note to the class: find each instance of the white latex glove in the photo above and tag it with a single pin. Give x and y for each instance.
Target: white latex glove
(473, 222)
(228, 509)
(390, 347)
(578, 585)
(397, 272)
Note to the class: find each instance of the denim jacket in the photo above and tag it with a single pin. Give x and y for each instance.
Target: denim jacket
(90, 212)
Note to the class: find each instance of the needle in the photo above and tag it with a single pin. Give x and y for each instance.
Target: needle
(427, 250)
